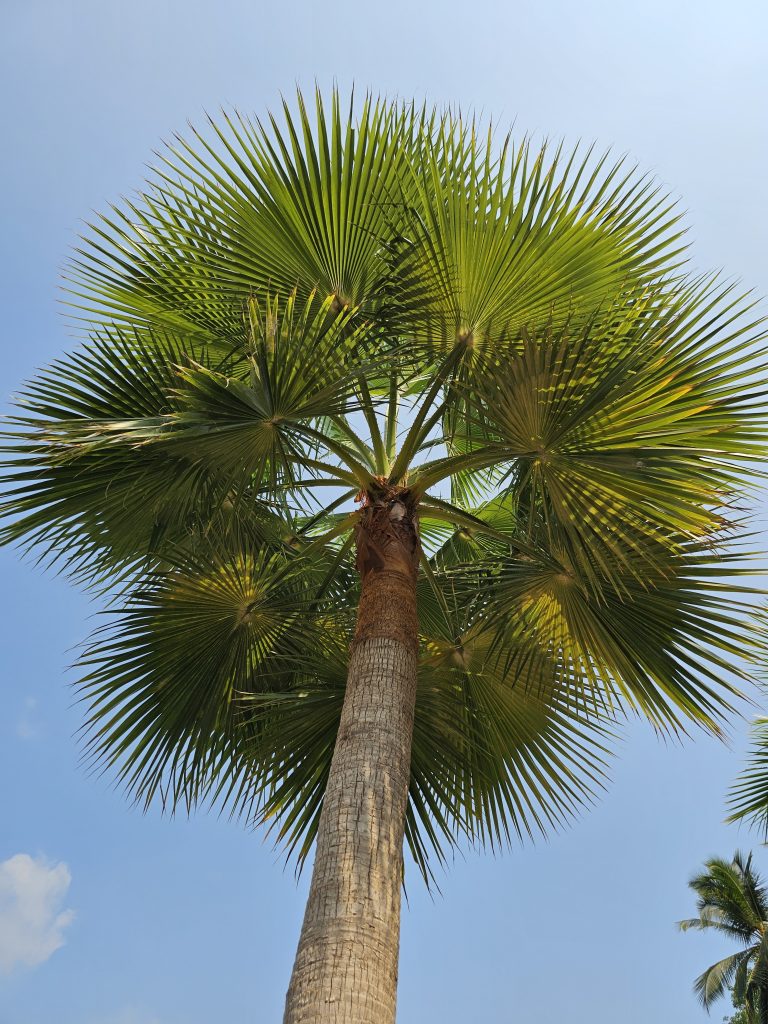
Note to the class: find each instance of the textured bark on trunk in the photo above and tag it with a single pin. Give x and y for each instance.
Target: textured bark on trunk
(346, 965)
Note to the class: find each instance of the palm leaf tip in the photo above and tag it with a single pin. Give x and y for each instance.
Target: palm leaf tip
(748, 797)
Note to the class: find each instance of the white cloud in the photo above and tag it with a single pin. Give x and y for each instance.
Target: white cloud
(32, 923)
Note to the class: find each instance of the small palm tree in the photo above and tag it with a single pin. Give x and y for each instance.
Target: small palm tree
(405, 456)
(732, 899)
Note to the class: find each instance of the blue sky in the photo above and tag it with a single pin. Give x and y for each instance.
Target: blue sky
(132, 919)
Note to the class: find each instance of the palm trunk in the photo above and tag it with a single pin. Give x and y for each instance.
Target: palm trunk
(346, 965)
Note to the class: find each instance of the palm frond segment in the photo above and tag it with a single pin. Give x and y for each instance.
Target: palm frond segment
(748, 798)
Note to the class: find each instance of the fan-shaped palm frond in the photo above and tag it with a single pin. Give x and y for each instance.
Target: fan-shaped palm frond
(503, 234)
(630, 428)
(307, 205)
(97, 507)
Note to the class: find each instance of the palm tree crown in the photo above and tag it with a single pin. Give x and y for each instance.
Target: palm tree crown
(323, 309)
(731, 898)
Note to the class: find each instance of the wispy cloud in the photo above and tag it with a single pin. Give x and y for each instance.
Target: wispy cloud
(28, 724)
(32, 921)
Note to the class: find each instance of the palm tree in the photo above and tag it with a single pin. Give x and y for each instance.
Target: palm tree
(731, 899)
(404, 455)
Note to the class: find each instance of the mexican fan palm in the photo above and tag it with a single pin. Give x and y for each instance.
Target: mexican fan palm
(405, 455)
(732, 900)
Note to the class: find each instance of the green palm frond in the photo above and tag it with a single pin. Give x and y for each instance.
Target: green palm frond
(528, 756)
(748, 799)
(96, 508)
(315, 204)
(258, 431)
(165, 677)
(718, 978)
(629, 428)
(694, 629)
(503, 234)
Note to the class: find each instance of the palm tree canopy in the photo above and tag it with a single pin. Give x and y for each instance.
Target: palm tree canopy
(298, 313)
(732, 899)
